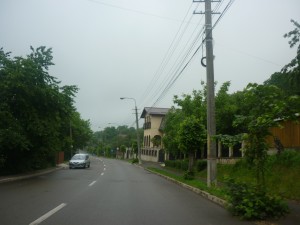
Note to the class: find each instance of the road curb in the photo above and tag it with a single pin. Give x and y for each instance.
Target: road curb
(198, 191)
(23, 177)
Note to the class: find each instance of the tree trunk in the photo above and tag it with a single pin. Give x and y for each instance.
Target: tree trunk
(191, 161)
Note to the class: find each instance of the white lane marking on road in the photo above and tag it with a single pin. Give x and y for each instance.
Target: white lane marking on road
(91, 184)
(48, 214)
(104, 169)
(102, 174)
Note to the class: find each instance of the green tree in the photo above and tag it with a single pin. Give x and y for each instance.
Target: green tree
(226, 109)
(260, 109)
(293, 68)
(114, 137)
(34, 111)
(289, 77)
(170, 138)
(192, 136)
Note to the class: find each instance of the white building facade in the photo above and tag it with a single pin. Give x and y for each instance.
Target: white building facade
(152, 147)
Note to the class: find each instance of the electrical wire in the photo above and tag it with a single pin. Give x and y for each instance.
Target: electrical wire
(167, 56)
(174, 70)
(132, 10)
(175, 77)
(180, 60)
(179, 67)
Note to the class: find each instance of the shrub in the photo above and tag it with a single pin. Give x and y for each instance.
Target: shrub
(178, 164)
(201, 165)
(169, 163)
(133, 161)
(249, 202)
(189, 175)
(184, 165)
(286, 158)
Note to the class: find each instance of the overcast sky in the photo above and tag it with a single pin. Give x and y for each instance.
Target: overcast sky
(134, 48)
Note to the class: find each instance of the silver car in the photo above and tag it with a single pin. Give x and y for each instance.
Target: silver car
(80, 161)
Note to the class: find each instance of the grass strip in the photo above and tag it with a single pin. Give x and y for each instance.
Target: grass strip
(214, 190)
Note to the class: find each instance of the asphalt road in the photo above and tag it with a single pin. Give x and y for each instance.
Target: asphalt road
(111, 192)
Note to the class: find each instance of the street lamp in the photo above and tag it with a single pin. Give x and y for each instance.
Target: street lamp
(137, 129)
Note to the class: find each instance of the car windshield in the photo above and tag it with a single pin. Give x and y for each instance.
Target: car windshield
(78, 157)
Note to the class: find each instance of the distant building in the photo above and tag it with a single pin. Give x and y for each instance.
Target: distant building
(152, 148)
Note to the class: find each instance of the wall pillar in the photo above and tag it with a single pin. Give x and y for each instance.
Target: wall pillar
(219, 149)
(230, 151)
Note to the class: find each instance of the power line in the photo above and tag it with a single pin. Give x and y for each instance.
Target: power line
(180, 60)
(167, 56)
(176, 67)
(133, 10)
(175, 77)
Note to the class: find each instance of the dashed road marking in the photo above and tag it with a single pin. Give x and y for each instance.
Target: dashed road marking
(102, 174)
(91, 184)
(48, 214)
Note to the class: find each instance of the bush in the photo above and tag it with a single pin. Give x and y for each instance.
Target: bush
(189, 175)
(249, 202)
(169, 163)
(178, 164)
(288, 158)
(133, 161)
(184, 165)
(201, 165)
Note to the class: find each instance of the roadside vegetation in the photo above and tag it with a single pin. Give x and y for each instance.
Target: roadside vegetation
(108, 141)
(37, 115)
(38, 119)
(237, 184)
(282, 173)
(243, 117)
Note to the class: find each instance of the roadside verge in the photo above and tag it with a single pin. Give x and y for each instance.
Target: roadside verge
(4, 179)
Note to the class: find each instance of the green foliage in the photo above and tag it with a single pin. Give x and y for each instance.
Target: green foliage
(226, 109)
(123, 148)
(189, 109)
(170, 139)
(35, 112)
(260, 109)
(288, 158)
(114, 137)
(183, 165)
(194, 183)
(282, 174)
(251, 202)
(201, 165)
(178, 164)
(289, 77)
(229, 140)
(189, 175)
(192, 134)
(156, 140)
(134, 161)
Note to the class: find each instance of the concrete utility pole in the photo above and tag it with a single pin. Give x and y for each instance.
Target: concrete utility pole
(211, 123)
(137, 129)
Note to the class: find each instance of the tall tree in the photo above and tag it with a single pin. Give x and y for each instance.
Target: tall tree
(34, 111)
(289, 77)
(226, 108)
(261, 107)
(192, 136)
